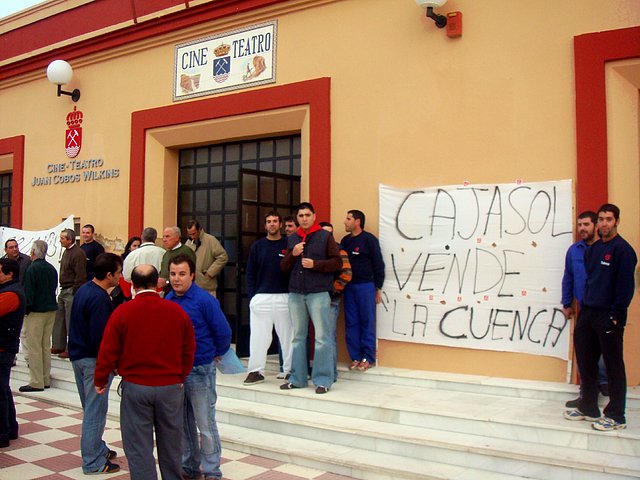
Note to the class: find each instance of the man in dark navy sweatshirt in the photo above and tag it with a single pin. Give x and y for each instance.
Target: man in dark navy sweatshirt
(363, 292)
(610, 265)
(268, 290)
(90, 311)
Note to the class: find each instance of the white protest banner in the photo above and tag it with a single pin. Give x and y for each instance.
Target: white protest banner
(52, 236)
(476, 266)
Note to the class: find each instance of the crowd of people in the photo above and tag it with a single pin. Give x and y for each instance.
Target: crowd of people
(151, 317)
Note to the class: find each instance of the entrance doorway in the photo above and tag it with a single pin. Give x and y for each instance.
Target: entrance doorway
(229, 188)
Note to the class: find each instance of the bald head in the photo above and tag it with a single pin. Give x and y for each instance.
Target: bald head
(144, 277)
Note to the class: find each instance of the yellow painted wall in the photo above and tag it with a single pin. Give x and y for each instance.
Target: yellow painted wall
(410, 107)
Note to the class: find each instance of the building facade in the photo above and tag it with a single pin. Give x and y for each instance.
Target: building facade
(222, 109)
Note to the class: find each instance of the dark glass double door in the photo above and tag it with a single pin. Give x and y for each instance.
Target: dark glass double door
(229, 188)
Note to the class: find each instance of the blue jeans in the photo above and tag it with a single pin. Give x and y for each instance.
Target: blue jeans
(335, 312)
(94, 450)
(360, 320)
(8, 422)
(316, 306)
(200, 415)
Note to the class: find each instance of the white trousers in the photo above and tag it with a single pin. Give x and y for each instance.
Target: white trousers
(268, 310)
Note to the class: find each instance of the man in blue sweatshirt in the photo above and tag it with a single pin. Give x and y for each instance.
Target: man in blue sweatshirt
(610, 265)
(363, 292)
(213, 339)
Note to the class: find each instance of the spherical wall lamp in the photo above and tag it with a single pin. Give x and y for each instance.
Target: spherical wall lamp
(440, 20)
(59, 73)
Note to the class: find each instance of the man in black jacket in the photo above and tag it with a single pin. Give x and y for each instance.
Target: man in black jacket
(312, 257)
(12, 310)
(610, 265)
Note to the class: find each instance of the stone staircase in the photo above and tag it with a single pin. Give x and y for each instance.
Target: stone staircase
(405, 424)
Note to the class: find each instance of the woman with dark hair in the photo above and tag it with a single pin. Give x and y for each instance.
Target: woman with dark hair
(132, 244)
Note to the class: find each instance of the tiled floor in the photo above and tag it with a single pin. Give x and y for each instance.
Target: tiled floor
(49, 448)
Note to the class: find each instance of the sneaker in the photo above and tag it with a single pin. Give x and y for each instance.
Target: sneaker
(288, 386)
(364, 365)
(280, 375)
(606, 424)
(107, 468)
(254, 378)
(321, 390)
(353, 365)
(576, 415)
(573, 403)
(111, 454)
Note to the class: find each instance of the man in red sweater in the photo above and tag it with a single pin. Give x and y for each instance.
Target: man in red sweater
(151, 344)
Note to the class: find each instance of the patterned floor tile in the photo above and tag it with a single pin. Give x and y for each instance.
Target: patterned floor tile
(49, 449)
(261, 461)
(35, 452)
(47, 436)
(24, 471)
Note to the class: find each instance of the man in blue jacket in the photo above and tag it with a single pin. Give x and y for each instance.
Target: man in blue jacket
(213, 339)
(610, 265)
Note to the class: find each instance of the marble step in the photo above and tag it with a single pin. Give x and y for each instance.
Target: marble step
(504, 418)
(531, 460)
(504, 387)
(438, 423)
(348, 460)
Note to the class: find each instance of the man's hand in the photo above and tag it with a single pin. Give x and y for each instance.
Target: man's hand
(307, 263)
(378, 296)
(100, 390)
(298, 249)
(568, 312)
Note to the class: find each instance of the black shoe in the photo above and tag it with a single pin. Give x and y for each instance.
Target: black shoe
(111, 454)
(288, 386)
(47, 386)
(107, 468)
(29, 388)
(604, 389)
(254, 378)
(572, 403)
(321, 390)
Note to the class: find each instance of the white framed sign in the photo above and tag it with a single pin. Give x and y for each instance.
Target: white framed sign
(232, 60)
(476, 266)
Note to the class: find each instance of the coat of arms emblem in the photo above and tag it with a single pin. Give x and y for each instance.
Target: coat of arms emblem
(222, 63)
(73, 137)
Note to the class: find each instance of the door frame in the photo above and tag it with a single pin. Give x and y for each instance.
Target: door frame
(315, 94)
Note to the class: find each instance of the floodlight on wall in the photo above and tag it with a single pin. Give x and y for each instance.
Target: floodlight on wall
(441, 20)
(60, 72)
